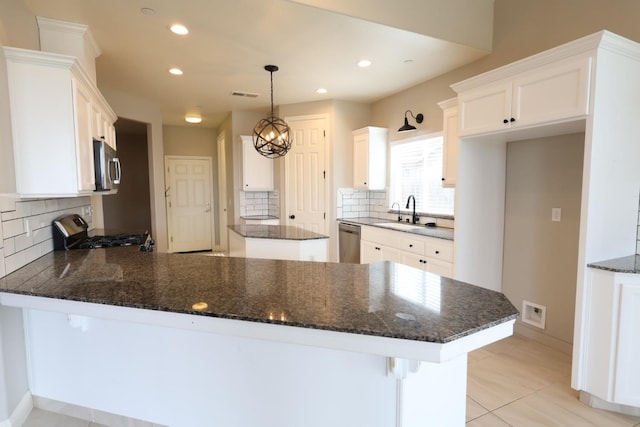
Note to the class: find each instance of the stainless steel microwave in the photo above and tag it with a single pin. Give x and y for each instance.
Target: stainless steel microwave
(107, 166)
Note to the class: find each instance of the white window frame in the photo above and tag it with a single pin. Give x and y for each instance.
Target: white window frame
(424, 211)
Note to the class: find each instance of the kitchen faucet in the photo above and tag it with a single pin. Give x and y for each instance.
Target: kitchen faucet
(414, 218)
(396, 203)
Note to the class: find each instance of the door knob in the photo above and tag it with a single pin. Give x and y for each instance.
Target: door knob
(292, 217)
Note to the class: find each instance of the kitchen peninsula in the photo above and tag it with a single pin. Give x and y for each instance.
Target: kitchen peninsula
(276, 242)
(194, 340)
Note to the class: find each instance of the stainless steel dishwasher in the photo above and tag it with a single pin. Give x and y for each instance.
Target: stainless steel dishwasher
(349, 243)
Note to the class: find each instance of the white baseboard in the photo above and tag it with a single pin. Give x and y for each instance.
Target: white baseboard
(20, 413)
(88, 414)
(595, 402)
(555, 343)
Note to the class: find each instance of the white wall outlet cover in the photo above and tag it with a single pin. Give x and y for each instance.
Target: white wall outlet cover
(556, 214)
(534, 314)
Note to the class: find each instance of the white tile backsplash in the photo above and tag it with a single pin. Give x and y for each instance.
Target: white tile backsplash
(259, 203)
(353, 203)
(25, 227)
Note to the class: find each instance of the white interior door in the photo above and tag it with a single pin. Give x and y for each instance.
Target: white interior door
(189, 203)
(305, 174)
(222, 193)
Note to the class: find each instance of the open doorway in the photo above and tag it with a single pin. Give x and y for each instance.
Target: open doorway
(130, 209)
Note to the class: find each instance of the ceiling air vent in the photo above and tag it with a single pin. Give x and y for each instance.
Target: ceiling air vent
(245, 94)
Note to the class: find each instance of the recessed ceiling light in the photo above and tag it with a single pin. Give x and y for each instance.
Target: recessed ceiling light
(364, 63)
(193, 118)
(321, 90)
(179, 29)
(148, 11)
(176, 71)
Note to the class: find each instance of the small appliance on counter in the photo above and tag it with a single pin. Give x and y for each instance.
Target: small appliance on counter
(70, 232)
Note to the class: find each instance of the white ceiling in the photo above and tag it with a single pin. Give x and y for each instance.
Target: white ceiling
(230, 42)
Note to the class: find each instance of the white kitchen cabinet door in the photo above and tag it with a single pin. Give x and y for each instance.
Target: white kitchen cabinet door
(627, 374)
(441, 268)
(257, 170)
(51, 104)
(547, 94)
(414, 260)
(485, 109)
(450, 147)
(84, 140)
(553, 93)
(374, 252)
(370, 158)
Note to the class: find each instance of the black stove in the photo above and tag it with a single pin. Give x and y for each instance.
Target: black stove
(70, 232)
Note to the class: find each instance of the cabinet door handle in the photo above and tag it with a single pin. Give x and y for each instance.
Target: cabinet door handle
(410, 246)
(505, 121)
(365, 183)
(512, 120)
(292, 217)
(443, 179)
(377, 248)
(437, 252)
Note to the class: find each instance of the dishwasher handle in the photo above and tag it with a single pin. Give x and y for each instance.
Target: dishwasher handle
(349, 228)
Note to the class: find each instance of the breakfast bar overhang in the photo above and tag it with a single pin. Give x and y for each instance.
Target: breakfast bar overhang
(192, 340)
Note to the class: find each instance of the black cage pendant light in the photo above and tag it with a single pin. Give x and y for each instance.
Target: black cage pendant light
(272, 136)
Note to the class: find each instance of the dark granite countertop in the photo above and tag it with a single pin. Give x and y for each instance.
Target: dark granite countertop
(382, 299)
(627, 264)
(423, 230)
(278, 232)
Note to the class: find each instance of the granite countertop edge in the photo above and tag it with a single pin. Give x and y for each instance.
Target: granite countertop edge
(364, 299)
(627, 264)
(275, 232)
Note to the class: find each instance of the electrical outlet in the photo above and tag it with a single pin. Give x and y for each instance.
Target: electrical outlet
(556, 214)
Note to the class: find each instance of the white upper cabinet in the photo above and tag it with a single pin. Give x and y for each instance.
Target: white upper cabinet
(556, 92)
(257, 170)
(370, 158)
(450, 142)
(51, 105)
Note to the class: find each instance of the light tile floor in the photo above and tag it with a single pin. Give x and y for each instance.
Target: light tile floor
(520, 382)
(515, 382)
(40, 418)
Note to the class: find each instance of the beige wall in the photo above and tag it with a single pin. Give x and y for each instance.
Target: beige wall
(540, 255)
(139, 110)
(130, 209)
(189, 141)
(521, 28)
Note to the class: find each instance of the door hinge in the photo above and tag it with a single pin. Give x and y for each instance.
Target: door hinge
(324, 174)
(324, 133)
(169, 205)
(171, 239)
(324, 215)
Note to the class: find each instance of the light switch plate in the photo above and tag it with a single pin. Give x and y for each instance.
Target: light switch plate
(556, 214)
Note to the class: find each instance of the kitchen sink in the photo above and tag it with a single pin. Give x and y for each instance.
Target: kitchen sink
(399, 226)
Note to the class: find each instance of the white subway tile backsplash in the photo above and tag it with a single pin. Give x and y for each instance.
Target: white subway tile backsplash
(12, 227)
(25, 227)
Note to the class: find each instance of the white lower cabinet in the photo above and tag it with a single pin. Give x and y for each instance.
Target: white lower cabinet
(426, 253)
(613, 337)
(374, 252)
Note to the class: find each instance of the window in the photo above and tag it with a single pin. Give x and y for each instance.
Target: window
(416, 169)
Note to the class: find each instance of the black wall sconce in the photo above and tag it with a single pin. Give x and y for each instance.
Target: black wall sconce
(407, 127)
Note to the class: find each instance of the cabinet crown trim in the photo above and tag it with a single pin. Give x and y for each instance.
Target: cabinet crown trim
(602, 39)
